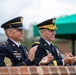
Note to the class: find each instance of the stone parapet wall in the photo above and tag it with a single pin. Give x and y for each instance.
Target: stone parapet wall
(38, 70)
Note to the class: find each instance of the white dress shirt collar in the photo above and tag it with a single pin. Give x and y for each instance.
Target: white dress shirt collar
(48, 42)
(15, 42)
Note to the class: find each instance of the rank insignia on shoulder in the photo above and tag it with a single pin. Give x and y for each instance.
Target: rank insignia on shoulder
(5, 43)
(7, 61)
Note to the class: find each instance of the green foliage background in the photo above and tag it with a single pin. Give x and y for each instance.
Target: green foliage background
(28, 40)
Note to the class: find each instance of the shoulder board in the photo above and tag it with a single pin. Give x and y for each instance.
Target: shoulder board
(36, 43)
(5, 43)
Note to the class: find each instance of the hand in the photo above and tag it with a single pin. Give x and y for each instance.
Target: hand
(47, 59)
(75, 61)
(69, 59)
(31, 54)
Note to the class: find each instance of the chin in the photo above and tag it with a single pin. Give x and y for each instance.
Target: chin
(52, 39)
(21, 38)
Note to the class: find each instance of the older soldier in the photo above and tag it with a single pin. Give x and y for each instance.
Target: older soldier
(12, 52)
(45, 46)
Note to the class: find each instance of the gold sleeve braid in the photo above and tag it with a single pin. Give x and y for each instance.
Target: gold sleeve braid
(55, 63)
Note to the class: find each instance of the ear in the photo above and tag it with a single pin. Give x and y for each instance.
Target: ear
(42, 31)
(9, 33)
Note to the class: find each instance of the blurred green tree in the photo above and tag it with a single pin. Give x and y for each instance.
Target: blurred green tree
(28, 39)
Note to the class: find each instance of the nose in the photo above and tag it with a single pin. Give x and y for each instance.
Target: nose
(54, 32)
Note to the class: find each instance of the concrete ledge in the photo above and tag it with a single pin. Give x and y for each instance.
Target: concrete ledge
(38, 70)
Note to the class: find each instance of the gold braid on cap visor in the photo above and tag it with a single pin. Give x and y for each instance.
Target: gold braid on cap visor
(14, 23)
(50, 26)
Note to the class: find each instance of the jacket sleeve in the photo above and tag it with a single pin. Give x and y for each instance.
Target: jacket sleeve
(41, 52)
(7, 59)
(26, 62)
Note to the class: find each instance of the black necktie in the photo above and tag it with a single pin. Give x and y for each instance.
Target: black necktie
(52, 47)
(23, 50)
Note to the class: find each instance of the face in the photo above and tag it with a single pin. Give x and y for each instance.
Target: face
(15, 34)
(48, 35)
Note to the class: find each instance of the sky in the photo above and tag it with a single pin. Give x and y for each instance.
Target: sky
(35, 11)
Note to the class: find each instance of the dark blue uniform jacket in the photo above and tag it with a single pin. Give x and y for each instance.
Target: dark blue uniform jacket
(44, 49)
(12, 55)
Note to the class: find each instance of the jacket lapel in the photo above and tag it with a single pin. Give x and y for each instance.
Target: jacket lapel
(46, 46)
(15, 47)
(24, 51)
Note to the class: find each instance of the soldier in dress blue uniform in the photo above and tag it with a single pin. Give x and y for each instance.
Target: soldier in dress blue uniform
(12, 52)
(45, 46)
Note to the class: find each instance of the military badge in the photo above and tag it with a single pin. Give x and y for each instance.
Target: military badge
(53, 21)
(7, 61)
(21, 19)
(17, 55)
(13, 44)
(48, 52)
